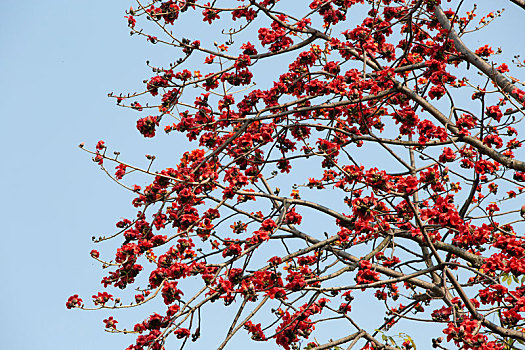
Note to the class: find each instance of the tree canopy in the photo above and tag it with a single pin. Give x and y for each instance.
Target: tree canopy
(339, 152)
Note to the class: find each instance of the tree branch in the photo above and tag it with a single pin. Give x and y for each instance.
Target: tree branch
(520, 3)
(474, 59)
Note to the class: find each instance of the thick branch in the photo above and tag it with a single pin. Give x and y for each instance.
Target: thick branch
(474, 259)
(436, 290)
(520, 3)
(474, 59)
(474, 142)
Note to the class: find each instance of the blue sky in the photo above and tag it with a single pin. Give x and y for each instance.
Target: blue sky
(59, 61)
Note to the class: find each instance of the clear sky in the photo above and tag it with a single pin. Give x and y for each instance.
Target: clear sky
(59, 60)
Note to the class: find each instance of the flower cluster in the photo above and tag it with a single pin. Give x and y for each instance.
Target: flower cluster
(359, 172)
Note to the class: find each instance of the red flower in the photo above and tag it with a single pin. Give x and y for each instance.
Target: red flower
(436, 92)
(448, 155)
(121, 171)
(345, 307)
(73, 301)
(102, 298)
(170, 293)
(484, 51)
(256, 330)
(131, 21)
(494, 112)
(182, 333)
(147, 126)
(293, 218)
(100, 145)
(210, 14)
(111, 323)
(503, 68)
(366, 274)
